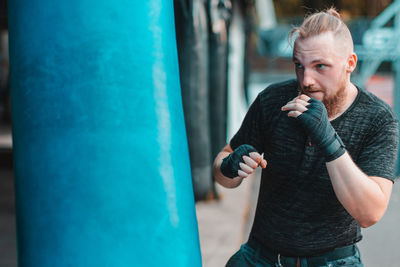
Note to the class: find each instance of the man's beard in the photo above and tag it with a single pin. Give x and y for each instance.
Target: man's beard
(333, 104)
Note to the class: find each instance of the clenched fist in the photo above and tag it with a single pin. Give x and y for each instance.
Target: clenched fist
(242, 162)
(313, 116)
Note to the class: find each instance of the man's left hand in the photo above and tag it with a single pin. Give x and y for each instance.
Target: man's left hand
(312, 114)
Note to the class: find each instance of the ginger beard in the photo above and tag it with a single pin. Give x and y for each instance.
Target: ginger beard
(333, 103)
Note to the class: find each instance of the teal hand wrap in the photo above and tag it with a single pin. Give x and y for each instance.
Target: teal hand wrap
(316, 123)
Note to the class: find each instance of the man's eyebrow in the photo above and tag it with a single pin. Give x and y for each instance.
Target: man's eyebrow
(319, 60)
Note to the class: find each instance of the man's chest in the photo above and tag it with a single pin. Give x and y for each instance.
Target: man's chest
(289, 149)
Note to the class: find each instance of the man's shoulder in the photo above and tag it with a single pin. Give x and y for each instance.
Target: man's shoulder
(376, 107)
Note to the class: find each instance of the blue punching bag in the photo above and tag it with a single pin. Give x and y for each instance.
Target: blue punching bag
(101, 158)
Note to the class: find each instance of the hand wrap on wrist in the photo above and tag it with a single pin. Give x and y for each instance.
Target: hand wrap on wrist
(230, 164)
(316, 123)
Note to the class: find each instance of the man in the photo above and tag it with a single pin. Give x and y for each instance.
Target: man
(330, 151)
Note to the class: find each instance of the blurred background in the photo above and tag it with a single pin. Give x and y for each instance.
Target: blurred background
(229, 50)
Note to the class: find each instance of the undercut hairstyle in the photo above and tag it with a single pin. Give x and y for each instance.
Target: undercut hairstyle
(321, 22)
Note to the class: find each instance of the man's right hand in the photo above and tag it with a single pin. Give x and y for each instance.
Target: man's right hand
(242, 162)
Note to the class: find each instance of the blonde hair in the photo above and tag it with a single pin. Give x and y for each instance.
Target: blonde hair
(321, 22)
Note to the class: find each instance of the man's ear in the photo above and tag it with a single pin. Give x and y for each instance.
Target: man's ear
(351, 63)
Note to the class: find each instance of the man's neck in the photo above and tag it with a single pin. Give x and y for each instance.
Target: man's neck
(351, 94)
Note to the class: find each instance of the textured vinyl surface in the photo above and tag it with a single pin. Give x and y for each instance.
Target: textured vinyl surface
(100, 152)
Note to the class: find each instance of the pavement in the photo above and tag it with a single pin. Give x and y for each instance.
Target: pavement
(225, 224)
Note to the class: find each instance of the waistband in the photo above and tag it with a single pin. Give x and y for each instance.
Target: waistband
(320, 260)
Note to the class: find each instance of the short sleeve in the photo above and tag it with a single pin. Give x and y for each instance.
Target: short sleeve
(250, 131)
(379, 154)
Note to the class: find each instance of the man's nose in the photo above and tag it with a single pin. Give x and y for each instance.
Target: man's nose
(308, 79)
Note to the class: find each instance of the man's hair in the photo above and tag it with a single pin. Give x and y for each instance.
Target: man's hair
(321, 22)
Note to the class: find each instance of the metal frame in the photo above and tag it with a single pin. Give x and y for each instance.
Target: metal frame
(388, 50)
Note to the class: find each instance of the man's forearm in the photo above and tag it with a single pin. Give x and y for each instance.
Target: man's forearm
(219, 177)
(365, 198)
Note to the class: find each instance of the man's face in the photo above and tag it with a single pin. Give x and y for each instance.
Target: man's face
(321, 69)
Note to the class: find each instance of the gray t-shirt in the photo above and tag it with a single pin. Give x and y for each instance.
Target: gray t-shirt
(297, 211)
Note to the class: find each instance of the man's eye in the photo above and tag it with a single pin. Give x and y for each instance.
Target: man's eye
(321, 66)
(298, 65)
